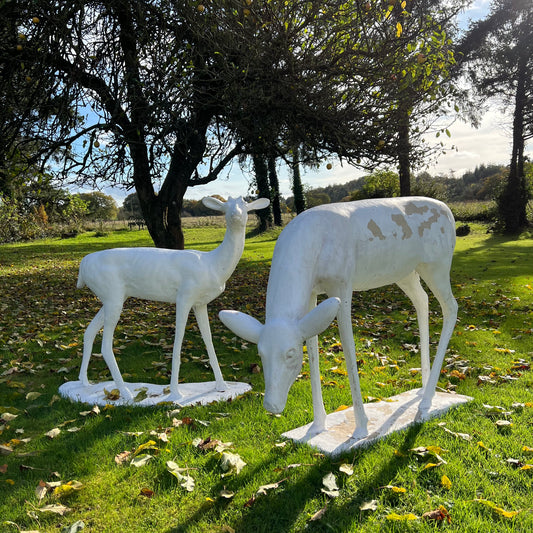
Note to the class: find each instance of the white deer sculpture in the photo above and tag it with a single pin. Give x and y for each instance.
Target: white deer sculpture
(188, 278)
(336, 249)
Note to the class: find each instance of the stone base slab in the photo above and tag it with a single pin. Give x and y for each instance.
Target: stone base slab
(384, 417)
(150, 394)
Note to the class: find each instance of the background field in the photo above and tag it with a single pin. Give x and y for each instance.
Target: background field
(472, 466)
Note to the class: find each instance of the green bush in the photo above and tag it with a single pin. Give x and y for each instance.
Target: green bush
(16, 225)
(474, 211)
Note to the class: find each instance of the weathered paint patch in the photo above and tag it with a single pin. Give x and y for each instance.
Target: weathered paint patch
(412, 209)
(375, 230)
(429, 222)
(400, 220)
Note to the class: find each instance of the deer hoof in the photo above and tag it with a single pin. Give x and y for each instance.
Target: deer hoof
(126, 394)
(221, 387)
(316, 428)
(174, 397)
(359, 433)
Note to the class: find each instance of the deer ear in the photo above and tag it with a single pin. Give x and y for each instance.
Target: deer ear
(260, 203)
(317, 320)
(242, 324)
(214, 203)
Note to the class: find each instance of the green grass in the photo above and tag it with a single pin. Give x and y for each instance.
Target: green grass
(41, 332)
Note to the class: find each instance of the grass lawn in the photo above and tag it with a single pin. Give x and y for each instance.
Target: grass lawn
(63, 463)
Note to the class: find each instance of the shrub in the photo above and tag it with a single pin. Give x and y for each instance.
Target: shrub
(474, 211)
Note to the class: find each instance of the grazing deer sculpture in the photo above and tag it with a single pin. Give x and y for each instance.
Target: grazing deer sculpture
(188, 278)
(336, 249)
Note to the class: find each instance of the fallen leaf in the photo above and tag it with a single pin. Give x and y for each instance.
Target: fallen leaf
(438, 515)
(428, 466)
(150, 445)
(8, 417)
(141, 395)
(445, 482)
(503, 424)
(3, 469)
(464, 436)
(147, 493)
(56, 509)
(208, 444)
(401, 517)
(93, 412)
(346, 469)
(231, 463)
(498, 510)
(67, 488)
(370, 505)
(319, 514)
(263, 489)
(73, 528)
(122, 457)
(53, 433)
(141, 460)
(5, 450)
(185, 480)
(33, 396)
(483, 447)
(330, 486)
(398, 490)
(228, 494)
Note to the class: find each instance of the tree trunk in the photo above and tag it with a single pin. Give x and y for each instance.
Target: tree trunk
(297, 187)
(261, 178)
(404, 152)
(274, 188)
(512, 203)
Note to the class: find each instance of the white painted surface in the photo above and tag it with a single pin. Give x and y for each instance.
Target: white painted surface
(384, 417)
(192, 393)
(335, 249)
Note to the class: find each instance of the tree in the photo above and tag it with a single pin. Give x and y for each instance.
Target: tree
(162, 95)
(100, 206)
(421, 73)
(131, 208)
(498, 59)
(379, 184)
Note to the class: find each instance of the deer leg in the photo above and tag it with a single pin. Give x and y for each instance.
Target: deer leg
(182, 314)
(319, 412)
(202, 318)
(413, 289)
(111, 317)
(437, 277)
(344, 319)
(88, 341)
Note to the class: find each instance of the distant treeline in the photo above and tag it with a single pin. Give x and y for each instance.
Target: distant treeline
(481, 184)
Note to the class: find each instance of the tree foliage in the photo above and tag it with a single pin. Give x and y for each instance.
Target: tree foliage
(498, 59)
(162, 95)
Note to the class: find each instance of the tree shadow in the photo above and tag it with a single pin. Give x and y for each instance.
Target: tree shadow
(494, 258)
(271, 513)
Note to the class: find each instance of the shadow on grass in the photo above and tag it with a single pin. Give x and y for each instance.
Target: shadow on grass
(494, 258)
(280, 510)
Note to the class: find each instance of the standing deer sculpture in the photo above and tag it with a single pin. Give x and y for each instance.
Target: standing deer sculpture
(337, 249)
(188, 278)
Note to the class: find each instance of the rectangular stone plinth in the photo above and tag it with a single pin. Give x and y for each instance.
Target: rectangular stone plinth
(384, 417)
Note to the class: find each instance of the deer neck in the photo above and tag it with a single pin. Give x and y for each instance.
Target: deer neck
(289, 289)
(228, 253)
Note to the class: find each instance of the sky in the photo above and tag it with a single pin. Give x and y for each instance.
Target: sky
(488, 144)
